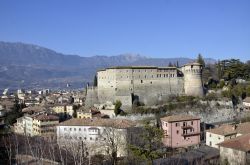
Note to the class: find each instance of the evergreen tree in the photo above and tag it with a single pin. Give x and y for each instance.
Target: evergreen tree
(200, 60)
(170, 64)
(219, 69)
(118, 105)
(177, 64)
(152, 141)
(95, 81)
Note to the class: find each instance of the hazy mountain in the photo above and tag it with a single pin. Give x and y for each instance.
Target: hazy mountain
(26, 65)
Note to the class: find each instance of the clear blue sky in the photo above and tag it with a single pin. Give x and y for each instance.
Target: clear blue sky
(158, 28)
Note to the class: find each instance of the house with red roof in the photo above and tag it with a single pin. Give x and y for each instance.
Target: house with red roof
(181, 130)
(235, 151)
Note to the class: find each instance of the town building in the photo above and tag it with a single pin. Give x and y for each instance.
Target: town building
(34, 110)
(37, 125)
(45, 125)
(226, 132)
(24, 125)
(235, 151)
(106, 109)
(83, 115)
(181, 130)
(63, 110)
(146, 84)
(203, 155)
(97, 134)
(218, 135)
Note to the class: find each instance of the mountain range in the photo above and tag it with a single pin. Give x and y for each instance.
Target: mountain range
(31, 66)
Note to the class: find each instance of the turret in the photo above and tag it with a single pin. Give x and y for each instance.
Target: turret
(193, 79)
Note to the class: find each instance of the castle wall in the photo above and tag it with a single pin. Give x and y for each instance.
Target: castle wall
(91, 96)
(150, 85)
(106, 85)
(192, 80)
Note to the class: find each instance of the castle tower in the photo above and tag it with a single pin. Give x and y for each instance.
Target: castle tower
(193, 79)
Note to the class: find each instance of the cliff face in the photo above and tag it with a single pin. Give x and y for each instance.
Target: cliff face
(208, 111)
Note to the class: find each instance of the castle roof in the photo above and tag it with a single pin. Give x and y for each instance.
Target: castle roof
(137, 67)
(193, 63)
(178, 118)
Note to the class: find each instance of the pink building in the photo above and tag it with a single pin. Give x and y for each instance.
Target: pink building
(181, 130)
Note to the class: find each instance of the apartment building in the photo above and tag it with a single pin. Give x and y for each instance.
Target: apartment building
(63, 110)
(96, 134)
(24, 125)
(45, 125)
(181, 130)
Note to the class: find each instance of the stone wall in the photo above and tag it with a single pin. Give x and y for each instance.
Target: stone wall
(192, 79)
(149, 85)
(234, 157)
(91, 96)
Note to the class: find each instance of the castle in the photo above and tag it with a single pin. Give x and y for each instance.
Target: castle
(147, 84)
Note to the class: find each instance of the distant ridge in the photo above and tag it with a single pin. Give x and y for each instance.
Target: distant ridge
(27, 65)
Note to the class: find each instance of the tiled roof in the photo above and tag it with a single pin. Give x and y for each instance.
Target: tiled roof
(243, 128)
(241, 143)
(46, 117)
(174, 118)
(33, 109)
(116, 123)
(224, 130)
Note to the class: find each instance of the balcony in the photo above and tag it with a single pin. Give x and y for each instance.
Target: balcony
(187, 127)
(191, 134)
(165, 135)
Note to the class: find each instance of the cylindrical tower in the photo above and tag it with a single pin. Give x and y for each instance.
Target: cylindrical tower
(193, 79)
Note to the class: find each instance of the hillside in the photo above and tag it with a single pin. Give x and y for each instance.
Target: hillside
(27, 65)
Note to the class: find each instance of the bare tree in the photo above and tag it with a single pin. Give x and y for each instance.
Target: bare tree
(113, 142)
(20, 149)
(75, 147)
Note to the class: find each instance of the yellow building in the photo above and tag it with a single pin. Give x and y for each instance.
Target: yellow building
(69, 110)
(63, 110)
(84, 115)
(59, 109)
(45, 125)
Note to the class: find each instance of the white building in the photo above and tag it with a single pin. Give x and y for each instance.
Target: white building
(246, 103)
(96, 134)
(218, 135)
(24, 125)
(226, 132)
